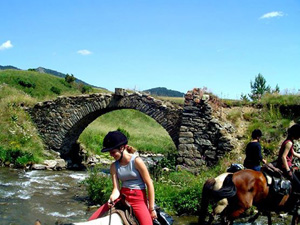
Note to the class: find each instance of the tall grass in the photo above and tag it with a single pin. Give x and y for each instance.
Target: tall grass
(277, 99)
(36, 85)
(18, 133)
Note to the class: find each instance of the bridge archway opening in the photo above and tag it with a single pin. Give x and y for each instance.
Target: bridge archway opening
(146, 134)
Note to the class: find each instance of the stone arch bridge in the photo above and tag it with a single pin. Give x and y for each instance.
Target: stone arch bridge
(196, 134)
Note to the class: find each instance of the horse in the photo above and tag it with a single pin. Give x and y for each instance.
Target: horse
(247, 187)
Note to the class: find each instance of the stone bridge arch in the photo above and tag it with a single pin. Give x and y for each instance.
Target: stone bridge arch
(61, 121)
(200, 138)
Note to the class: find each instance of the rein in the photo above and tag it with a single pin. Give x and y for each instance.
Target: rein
(109, 222)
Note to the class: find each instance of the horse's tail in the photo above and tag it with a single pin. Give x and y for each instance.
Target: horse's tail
(206, 196)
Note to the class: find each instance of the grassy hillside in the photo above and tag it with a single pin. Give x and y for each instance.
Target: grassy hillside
(37, 85)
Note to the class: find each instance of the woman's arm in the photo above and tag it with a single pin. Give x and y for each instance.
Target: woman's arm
(141, 167)
(115, 192)
(287, 148)
(296, 154)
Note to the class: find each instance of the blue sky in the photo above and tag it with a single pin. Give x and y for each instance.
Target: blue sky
(218, 44)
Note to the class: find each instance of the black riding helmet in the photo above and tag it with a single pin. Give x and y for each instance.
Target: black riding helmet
(294, 131)
(113, 140)
(256, 133)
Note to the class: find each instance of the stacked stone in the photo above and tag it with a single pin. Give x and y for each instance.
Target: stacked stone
(201, 141)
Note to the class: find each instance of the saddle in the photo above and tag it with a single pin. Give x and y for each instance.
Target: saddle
(125, 211)
(275, 179)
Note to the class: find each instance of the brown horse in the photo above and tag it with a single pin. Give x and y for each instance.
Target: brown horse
(248, 187)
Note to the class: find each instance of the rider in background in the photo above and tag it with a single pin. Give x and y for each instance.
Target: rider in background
(286, 153)
(134, 176)
(253, 152)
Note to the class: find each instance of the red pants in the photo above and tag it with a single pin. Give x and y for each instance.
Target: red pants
(138, 200)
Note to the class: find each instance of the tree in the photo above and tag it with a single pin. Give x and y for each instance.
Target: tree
(70, 78)
(277, 89)
(259, 87)
(244, 98)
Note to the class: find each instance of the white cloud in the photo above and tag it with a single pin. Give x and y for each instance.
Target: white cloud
(6, 45)
(271, 15)
(84, 52)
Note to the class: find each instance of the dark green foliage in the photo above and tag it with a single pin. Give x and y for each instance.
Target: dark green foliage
(55, 90)
(276, 90)
(70, 78)
(244, 98)
(86, 89)
(16, 156)
(179, 193)
(99, 186)
(25, 83)
(259, 87)
(65, 83)
(168, 161)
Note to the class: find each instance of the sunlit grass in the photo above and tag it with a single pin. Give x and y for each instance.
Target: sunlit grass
(146, 134)
(18, 132)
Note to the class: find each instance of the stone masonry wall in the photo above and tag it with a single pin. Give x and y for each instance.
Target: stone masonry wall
(201, 138)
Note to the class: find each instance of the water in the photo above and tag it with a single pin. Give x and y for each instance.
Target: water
(58, 196)
(45, 195)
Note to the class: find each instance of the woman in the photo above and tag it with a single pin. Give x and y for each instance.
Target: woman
(286, 153)
(134, 175)
(253, 152)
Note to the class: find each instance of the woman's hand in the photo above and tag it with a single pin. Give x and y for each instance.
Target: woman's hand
(290, 174)
(153, 214)
(110, 203)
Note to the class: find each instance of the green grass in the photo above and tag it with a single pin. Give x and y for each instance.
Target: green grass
(146, 135)
(41, 84)
(276, 99)
(18, 132)
(176, 100)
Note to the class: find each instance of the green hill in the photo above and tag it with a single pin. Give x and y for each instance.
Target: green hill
(40, 86)
(49, 71)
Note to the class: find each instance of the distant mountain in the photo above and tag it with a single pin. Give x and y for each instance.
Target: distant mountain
(59, 74)
(9, 68)
(162, 91)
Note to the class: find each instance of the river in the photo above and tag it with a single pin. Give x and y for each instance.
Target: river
(53, 197)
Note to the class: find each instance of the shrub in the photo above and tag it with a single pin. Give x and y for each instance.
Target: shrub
(99, 186)
(180, 193)
(26, 84)
(86, 89)
(70, 78)
(16, 156)
(55, 90)
(65, 83)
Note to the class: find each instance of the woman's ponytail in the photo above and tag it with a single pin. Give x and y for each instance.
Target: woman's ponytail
(130, 149)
